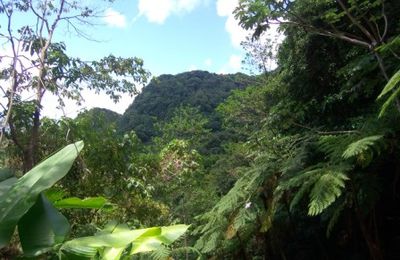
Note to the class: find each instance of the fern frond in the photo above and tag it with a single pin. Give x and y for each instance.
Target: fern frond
(334, 145)
(161, 254)
(367, 144)
(211, 243)
(186, 249)
(325, 191)
(305, 187)
(300, 178)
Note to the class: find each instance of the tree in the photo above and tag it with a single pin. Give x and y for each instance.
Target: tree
(40, 65)
(363, 23)
(187, 123)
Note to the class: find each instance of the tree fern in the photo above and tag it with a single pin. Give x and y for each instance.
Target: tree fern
(334, 145)
(165, 253)
(305, 188)
(322, 182)
(325, 191)
(229, 215)
(364, 149)
(186, 250)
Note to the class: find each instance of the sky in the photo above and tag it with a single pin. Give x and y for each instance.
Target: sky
(171, 36)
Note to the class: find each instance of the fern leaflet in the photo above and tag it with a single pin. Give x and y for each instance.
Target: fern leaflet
(325, 191)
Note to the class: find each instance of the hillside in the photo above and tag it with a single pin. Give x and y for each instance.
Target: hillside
(105, 114)
(165, 93)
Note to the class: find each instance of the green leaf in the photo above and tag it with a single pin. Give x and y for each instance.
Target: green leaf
(5, 174)
(153, 240)
(15, 202)
(388, 102)
(394, 80)
(54, 194)
(114, 242)
(77, 203)
(42, 227)
(7, 179)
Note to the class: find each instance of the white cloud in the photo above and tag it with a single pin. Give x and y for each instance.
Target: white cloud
(208, 62)
(272, 37)
(235, 62)
(225, 8)
(114, 18)
(157, 11)
(233, 65)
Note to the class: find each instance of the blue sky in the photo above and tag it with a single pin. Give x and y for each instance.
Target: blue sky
(171, 36)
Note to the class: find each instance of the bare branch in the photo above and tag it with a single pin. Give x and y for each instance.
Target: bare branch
(327, 132)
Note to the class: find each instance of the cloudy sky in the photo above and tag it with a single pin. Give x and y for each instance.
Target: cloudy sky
(171, 36)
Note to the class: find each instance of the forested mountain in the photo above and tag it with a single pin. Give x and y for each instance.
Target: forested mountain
(306, 166)
(108, 115)
(158, 100)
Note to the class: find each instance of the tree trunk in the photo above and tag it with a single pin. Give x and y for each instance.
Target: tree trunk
(373, 246)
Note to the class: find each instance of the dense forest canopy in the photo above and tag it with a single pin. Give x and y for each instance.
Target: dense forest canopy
(297, 163)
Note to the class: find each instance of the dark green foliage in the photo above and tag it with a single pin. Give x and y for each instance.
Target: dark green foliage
(327, 167)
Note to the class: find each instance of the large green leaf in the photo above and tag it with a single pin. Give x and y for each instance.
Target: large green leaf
(7, 179)
(5, 174)
(16, 201)
(77, 203)
(42, 227)
(113, 243)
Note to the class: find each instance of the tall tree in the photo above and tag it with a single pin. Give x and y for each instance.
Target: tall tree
(39, 65)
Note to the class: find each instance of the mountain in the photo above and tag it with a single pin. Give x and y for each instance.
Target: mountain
(98, 115)
(165, 93)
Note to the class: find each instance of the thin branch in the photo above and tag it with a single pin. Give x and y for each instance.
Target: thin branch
(327, 132)
(80, 33)
(385, 30)
(322, 32)
(356, 23)
(40, 17)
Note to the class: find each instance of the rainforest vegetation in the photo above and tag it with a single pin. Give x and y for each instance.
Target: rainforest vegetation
(302, 162)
